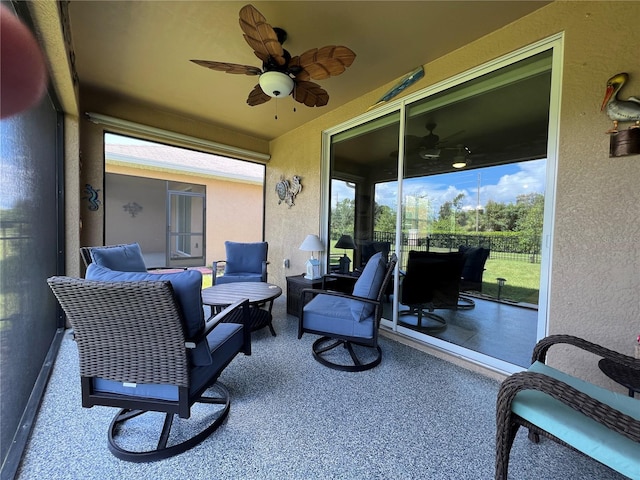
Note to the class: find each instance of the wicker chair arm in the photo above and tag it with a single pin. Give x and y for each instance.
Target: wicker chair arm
(602, 413)
(543, 346)
(233, 313)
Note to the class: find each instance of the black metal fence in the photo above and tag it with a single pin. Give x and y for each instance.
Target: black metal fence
(502, 247)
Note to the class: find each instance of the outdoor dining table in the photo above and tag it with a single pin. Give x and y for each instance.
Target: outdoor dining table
(258, 294)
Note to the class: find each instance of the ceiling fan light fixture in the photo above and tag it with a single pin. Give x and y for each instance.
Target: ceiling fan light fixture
(459, 161)
(276, 84)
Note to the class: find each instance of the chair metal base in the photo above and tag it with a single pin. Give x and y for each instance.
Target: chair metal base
(466, 303)
(420, 313)
(325, 344)
(163, 451)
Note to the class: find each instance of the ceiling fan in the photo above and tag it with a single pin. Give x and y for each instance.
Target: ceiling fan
(430, 146)
(281, 74)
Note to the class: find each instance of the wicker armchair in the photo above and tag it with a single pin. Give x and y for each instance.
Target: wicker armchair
(135, 354)
(600, 423)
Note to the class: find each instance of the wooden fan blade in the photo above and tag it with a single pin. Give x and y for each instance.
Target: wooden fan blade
(311, 94)
(257, 96)
(260, 35)
(229, 67)
(322, 63)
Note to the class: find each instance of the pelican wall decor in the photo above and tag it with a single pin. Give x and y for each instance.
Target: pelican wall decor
(622, 142)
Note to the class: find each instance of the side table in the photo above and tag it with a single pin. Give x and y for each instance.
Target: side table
(341, 282)
(626, 377)
(295, 285)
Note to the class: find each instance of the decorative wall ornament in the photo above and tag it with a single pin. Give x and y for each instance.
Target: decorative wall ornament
(132, 208)
(287, 190)
(92, 197)
(622, 142)
(404, 83)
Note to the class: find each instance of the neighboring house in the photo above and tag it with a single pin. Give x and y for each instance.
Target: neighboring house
(228, 186)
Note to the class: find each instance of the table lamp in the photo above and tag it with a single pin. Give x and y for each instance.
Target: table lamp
(312, 244)
(346, 243)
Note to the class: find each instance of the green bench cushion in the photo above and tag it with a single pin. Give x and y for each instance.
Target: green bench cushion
(586, 435)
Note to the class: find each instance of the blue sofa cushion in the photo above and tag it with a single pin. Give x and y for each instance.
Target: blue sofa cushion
(123, 258)
(368, 286)
(579, 431)
(187, 286)
(245, 257)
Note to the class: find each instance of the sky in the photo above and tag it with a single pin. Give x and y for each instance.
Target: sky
(501, 184)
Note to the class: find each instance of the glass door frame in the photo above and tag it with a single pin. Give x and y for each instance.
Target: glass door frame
(179, 235)
(554, 43)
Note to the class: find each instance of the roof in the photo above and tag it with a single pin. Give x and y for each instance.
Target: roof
(181, 160)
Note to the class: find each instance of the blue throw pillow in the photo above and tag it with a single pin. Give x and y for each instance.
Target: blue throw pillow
(245, 257)
(187, 286)
(123, 258)
(368, 285)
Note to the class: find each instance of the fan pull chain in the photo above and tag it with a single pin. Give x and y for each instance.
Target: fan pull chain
(276, 117)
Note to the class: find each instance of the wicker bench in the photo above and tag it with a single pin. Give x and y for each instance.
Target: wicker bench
(593, 420)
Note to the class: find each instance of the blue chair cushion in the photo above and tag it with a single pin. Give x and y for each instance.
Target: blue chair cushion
(579, 431)
(187, 286)
(368, 286)
(332, 315)
(245, 257)
(239, 277)
(123, 258)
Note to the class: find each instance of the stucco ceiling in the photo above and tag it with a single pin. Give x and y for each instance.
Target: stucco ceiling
(141, 50)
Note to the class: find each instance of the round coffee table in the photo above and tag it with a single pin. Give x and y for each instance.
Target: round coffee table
(258, 293)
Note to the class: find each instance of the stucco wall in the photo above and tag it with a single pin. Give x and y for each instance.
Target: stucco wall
(595, 275)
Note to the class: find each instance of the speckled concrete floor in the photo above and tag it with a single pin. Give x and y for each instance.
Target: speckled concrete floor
(412, 417)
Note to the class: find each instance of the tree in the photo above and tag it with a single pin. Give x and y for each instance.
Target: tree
(530, 220)
(343, 218)
(384, 218)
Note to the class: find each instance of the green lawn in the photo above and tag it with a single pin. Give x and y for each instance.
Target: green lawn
(523, 280)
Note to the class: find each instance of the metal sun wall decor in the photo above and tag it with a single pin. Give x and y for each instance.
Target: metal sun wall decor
(622, 142)
(288, 190)
(132, 208)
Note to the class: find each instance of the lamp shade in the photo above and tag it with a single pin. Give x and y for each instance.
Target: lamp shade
(345, 242)
(276, 84)
(312, 244)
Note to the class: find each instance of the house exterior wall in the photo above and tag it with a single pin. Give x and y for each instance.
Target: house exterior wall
(225, 199)
(595, 272)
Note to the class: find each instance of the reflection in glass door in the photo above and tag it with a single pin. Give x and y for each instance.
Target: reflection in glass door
(463, 166)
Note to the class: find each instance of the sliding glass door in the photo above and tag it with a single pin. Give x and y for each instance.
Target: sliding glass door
(462, 165)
